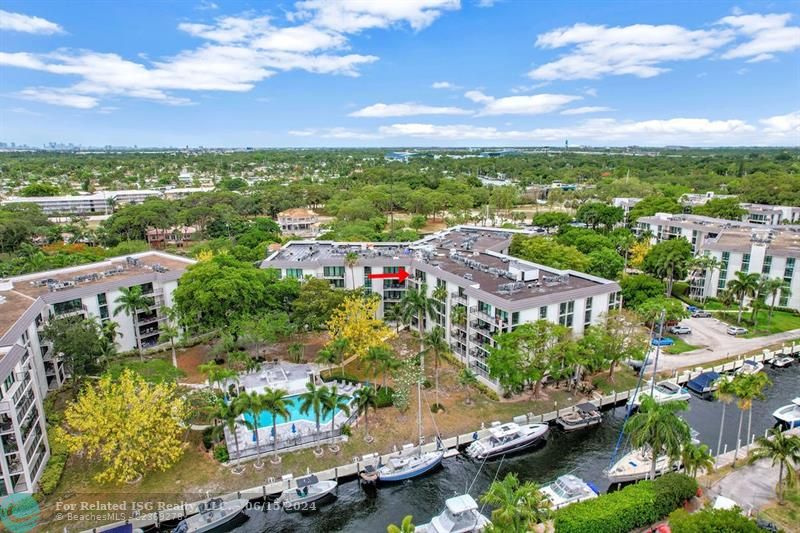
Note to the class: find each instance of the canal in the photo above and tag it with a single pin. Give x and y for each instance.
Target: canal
(585, 453)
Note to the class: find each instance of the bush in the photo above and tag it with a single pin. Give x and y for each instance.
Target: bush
(221, 453)
(716, 520)
(385, 397)
(347, 430)
(630, 508)
(208, 438)
(337, 376)
(52, 473)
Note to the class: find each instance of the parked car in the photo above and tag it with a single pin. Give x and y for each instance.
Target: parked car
(680, 330)
(691, 308)
(662, 341)
(736, 330)
(699, 313)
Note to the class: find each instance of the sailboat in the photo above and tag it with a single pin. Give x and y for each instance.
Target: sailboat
(411, 461)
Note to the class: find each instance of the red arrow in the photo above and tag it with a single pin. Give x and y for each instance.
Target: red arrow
(400, 275)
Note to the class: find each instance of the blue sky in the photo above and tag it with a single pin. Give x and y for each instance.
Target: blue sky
(402, 73)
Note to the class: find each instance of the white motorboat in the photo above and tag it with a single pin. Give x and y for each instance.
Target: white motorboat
(308, 490)
(210, 515)
(409, 464)
(582, 416)
(568, 489)
(663, 391)
(783, 362)
(789, 415)
(750, 367)
(460, 515)
(636, 464)
(507, 438)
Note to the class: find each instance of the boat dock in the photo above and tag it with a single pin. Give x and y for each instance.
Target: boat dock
(452, 445)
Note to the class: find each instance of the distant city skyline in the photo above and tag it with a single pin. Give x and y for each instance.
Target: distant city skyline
(450, 73)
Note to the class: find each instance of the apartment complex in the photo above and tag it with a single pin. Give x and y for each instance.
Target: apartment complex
(99, 203)
(770, 214)
(464, 268)
(299, 221)
(29, 368)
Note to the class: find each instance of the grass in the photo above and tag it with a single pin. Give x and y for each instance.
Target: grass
(786, 516)
(781, 321)
(624, 379)
(153, 370)
(680, 346)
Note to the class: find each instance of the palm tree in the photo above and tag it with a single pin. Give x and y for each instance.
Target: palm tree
(458, 315)
(747, 387)
(415, 303)
(517, 506)
(110, 329)
(229, 414)
(131, 301)
(659, 427)
(313, 400)
(742, 286)
(364, 398)
(382, 361)
(467, 379)
(440, 295)
(217, 375)
(774, 287)
(274, 402)
(705, 263)
(406, 526)
(332, 402)
(696, 457)
(350, 261)
(394, 314)
(334, 352)
(435, 342)
(296, 351)
(252, 403)
(784, 450)
(170, 331)
(725, 394)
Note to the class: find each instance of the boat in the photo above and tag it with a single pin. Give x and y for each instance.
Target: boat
(705, 383)
(635, 465)
(568, 489)
(368, 475)
(308, 489)
(507, 438)
(789, 415)
(412, 461)
(460, 515)
(749, 367)
(210, 515)
(783, 362)
(663, 391)
(582, 416)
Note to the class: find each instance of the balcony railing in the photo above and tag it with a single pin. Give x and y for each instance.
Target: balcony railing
(458, 298)
(71, 311)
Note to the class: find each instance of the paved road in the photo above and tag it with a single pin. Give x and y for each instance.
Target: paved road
(709, 334)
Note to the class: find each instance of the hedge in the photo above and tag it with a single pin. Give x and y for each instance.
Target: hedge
(52, 473)
(716, 520)
(385, 397)
(633, 507)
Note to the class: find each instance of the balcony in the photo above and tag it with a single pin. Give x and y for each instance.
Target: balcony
(73, 311)
(458, 298)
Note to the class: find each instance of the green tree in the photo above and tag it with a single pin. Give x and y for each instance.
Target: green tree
(774, 287)
(651, 205)
(131, 301)
(252, 403)
(659, 428)
(333, 402)
(651, 310)
(517, 506)
(170, 332)
(406, 526)
(80, 344)
(639, 288)
(381, 361)
(725, 393)
(784, 451)
(313, 400)
(617, 337)
(696, 457)
(551, 219)
(709, 519)
(467, 379)
(605, 263)
(334, 353)
(275, 402)
(545, 251)
(417, 304)
(742, 286)
(316, 302)
(437, 345)
(747, 388)
(229, 413)
(669, 260)
(364, 398)
(350, 261)
(727, 208)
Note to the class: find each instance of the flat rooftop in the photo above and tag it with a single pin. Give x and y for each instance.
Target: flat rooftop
(779, 241)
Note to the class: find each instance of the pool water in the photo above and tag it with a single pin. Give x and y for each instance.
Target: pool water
(265, 417)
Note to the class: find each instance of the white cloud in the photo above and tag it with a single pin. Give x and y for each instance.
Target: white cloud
(591, 91)
(785, 125)
(334, 133)
(409, 109)
(586, 109)
(352, 16)
(638, 50)
(59, 97)
(444, 85)
(486, 3)
(27, 24)
(206, 5)
(519, 89)
(766, 34)
(535, 104)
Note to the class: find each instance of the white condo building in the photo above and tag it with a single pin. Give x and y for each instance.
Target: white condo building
(99, 203)
(496, 291)
(29, 369)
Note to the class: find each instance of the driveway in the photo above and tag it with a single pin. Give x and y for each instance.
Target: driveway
(713, 343)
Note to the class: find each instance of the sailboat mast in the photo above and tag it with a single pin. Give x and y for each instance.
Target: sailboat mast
(419, 398)
(658, 351)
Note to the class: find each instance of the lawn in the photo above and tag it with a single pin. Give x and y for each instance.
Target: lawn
(781, 321)
(153, 370)
(680, 346)
(786, 516)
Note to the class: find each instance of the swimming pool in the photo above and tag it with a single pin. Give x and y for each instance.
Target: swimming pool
(265, 417)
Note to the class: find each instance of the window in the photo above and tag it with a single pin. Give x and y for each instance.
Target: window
(333, 272)
(484, 308)
(565, 311)
(101, 299)
(587, 313)
(8, 382)
(420, 276)
(68, 306)
(515, 317)
(392, 283)
(543, 312)
(294, 273)
(788, 273)
(767, 265)
(723, 271)
(613, 300)
(746, 263)
(367, 280)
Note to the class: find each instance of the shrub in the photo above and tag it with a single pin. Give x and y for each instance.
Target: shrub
(716, 520)
(337, 376)
(208, 438)
(221, 453)
(385, 397)
(52, 473)
(427, 384)
(630, 508)
(347, 430)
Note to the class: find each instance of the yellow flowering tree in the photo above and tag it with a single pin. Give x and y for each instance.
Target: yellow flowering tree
(128, 426)
(356, 321)
(638, 251)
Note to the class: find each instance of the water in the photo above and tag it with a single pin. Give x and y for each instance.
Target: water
(265, 417)
(584, 453)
